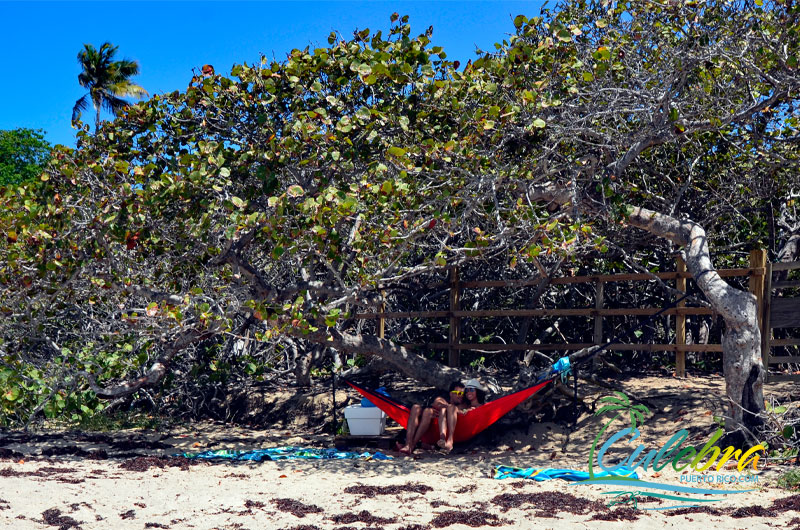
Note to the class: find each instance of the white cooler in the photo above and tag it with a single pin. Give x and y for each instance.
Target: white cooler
(365, 421)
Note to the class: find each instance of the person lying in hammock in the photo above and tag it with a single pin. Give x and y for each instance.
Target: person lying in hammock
(473, 398)
(420, 417)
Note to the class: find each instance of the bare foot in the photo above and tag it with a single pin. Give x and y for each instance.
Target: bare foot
(447, 447)
(442, 443)
(406, 450)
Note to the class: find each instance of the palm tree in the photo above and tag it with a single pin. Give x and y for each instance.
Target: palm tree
(619, 405)
(107, 80)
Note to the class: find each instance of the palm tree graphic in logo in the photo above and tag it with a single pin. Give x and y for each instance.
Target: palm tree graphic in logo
(621, 405)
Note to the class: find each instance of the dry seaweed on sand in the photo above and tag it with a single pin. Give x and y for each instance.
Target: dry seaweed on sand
(694, 509)
(363, 516)
(619, 514)
(752, 511)
(53, 517)
(547, 501)
(787, 504)
(474, 519)
(296, 508)
(143, 463)
(370, 491)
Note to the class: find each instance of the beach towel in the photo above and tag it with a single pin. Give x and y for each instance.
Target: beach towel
(285, 453)
(541, 474)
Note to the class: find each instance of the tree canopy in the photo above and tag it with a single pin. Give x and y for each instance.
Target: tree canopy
(277, 201)
(23, 155)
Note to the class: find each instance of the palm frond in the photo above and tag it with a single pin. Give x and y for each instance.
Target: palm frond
(127, 68)
(114, 104)
(128, 88)
(80, 105)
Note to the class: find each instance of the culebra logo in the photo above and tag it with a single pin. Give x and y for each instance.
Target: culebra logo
(672, 452)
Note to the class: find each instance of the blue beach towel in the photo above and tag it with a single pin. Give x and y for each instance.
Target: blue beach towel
(285, 453)
(541, 474)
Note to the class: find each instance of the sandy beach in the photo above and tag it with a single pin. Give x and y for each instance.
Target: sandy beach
(129, 480)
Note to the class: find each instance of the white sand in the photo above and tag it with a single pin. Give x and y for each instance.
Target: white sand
(102, 495)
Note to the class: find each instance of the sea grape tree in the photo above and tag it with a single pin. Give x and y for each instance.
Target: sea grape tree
(274, 203)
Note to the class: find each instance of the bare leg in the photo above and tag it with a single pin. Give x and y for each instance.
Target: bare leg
(452, 420)
(411, 429)
(422, 427)
(440, 407)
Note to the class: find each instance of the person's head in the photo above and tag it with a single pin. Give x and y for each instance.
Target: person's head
(473, 392)
(474, 395)
(456, 392)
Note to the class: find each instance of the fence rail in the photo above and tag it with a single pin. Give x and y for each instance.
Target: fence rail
(759, 274)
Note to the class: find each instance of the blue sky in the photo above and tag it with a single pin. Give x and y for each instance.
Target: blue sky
(40, 42)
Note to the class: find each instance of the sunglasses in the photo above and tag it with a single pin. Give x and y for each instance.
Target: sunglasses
(471, 390)
(457, 392)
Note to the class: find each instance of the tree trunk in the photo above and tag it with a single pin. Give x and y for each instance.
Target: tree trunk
(414, 366)
(741, 343)
(301, 358)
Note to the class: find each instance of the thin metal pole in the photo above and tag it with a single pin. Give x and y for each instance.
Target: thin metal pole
(333, 386)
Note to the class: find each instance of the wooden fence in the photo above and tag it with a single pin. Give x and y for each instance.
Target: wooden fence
(779, 312)
(758, 270)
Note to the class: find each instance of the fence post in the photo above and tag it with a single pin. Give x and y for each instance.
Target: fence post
(680, 322)
(453, 353)
(766, 326)
(598, 318)
(758, 259)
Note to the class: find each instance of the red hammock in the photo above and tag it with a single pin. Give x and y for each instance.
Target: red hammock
(469, 424)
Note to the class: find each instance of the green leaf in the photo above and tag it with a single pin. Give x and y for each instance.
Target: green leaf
(295, 191)
(539, 123)
(564, 36)
(519, 20)
(345, 124)
(364, 69)
(12, 394)
(396, 151)
(239, 203)
(602, 54)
